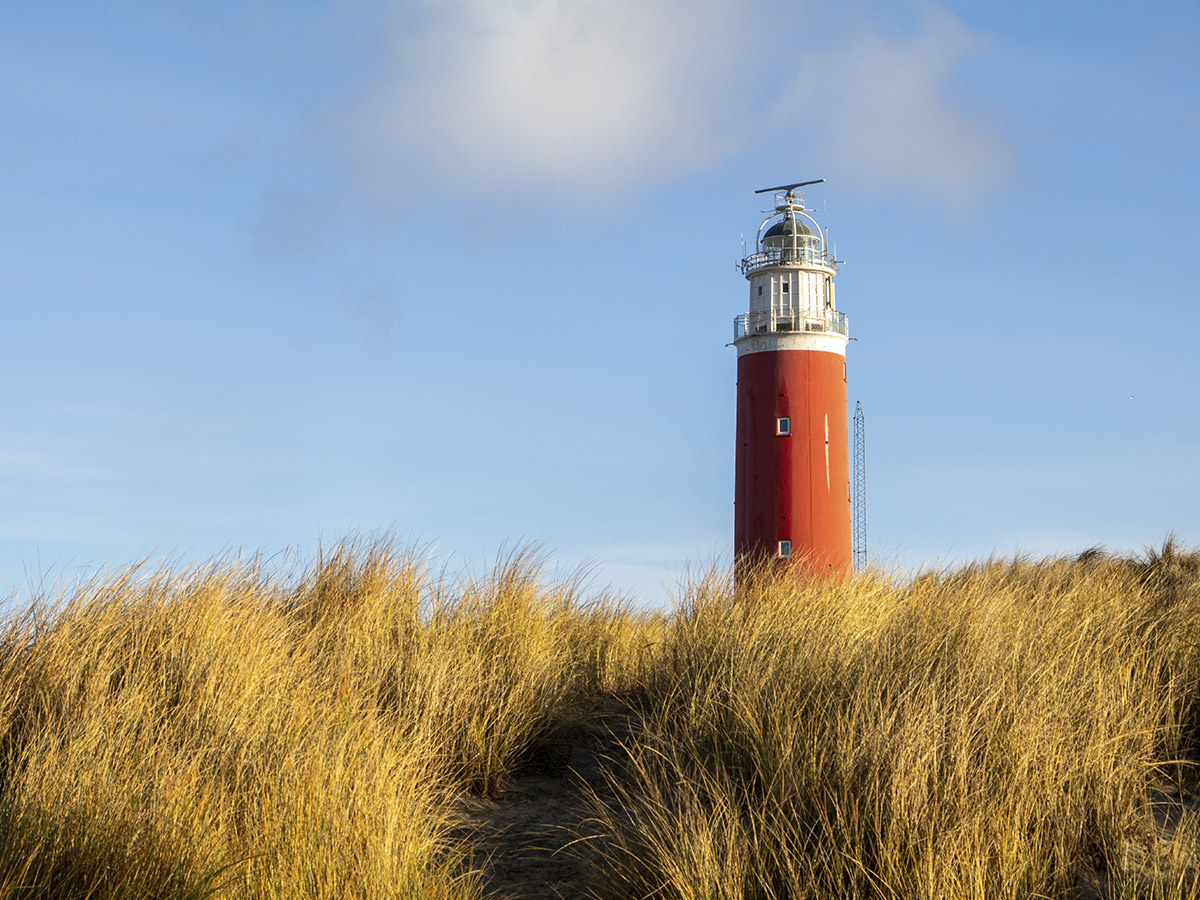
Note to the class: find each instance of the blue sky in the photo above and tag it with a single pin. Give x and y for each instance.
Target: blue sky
(464, 271)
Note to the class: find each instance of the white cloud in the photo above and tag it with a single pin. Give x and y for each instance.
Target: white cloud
(606, 93)
(882, 108)
(573, 92)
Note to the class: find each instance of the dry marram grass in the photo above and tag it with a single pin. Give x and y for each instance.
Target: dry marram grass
(1011, 729)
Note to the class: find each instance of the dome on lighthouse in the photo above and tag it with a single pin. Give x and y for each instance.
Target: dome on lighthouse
(789, 229)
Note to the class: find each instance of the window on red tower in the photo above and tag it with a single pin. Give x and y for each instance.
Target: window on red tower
(785, 549)
(783, 425)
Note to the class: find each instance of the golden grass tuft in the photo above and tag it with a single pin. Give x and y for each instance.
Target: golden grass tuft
(993, 732)
(1009, 729)
(217, 732)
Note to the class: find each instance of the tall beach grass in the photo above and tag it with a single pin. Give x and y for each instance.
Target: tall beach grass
(219, 732)
(999, 731)
(1009, 729)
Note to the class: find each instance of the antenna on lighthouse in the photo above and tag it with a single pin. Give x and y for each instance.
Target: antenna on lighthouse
(789, 187)
(859, 501)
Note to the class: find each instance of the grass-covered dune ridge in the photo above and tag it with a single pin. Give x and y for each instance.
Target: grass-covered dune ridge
(1007, 729)
(216, 731)
(996, 731)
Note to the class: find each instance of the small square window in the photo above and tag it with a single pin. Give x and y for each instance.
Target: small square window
(783, 425)
(785, 549)
(784, 287)
(760, 290)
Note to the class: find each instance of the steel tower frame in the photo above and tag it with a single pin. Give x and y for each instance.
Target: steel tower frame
(859, 497)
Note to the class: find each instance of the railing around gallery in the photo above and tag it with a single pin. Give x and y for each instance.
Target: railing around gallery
(766, 321)
(773, 256)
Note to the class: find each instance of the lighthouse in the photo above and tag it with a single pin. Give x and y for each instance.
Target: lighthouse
(792, 480)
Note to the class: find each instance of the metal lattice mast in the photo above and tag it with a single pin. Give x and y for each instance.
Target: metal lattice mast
(859, 497)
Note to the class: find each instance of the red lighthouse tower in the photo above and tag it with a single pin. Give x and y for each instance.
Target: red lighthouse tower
(792, 485)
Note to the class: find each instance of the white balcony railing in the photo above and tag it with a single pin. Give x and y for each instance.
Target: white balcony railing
(766, 321)
(800, 256)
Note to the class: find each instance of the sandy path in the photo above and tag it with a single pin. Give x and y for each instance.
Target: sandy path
(528, 836)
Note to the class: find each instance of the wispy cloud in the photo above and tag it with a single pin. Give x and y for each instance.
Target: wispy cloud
(572, 92)
(43, 466)
(882, 106)
(608, 93)
(293, 223)
(376, 314)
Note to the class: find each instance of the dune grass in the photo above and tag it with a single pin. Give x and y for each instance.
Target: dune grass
(1009, 729)
(218, 733)
(993, 732)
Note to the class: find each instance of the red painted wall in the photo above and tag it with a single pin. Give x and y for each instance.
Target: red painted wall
(783, 489)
